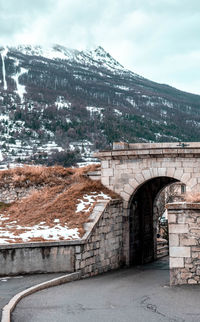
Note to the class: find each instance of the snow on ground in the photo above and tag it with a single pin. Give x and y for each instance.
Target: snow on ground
(125, 88)
(50, 53)
(61, 102)
(84, 164)
(11, 232)
(9, 165)
(94, 109)
(100, 55)
(4, 117)
(68, 120)
(1, 156)
(88, 201)
(50, 146)
(94, 57)
(3, 55)
(21, 89)
(165, 102)
(85, 148)
(117, 112)
(131, 101)
(193, 123)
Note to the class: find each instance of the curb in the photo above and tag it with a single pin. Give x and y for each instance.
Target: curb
(7, 309)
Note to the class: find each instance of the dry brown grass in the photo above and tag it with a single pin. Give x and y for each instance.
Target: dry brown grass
(39, 175)
(57, 200)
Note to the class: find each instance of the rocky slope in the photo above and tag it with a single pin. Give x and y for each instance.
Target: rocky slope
(58, 100)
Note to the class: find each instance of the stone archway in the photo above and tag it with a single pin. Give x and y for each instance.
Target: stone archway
(142, 222)
(128, 168)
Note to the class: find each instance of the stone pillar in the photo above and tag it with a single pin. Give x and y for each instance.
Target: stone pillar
(184, 243)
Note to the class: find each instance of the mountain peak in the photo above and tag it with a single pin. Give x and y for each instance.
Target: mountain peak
(101, 51)
(98, 57)
(103, 58)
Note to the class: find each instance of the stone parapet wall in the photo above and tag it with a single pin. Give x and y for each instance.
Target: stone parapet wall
(98, 251)
(184, 243)
(163, 145)
(36, 258)
(102, 250)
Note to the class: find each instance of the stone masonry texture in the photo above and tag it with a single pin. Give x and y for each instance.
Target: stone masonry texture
(9, 193)
(103, 249)
(184, 243)
(128, 166)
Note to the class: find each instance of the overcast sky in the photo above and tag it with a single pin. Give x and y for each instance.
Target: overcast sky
(158, 39)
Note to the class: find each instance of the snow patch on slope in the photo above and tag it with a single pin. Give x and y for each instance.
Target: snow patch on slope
(21, 89)
(55, 52)
(95, 110)
(86, 203)
(131, 101)
(1, 156)
(117, 112)
(3, 55)
(124, 88)
(61, 102)
(42, 230)
(50, 146)
(101, 56)
(94, 58)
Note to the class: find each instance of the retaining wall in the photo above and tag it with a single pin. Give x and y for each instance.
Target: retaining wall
(98, 251)
(40, 258)
(102, 248)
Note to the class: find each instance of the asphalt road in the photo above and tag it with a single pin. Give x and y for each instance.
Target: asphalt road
(11, 285)
(136, 294)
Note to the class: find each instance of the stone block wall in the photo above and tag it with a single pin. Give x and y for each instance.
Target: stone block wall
(128, 166)
(98, 251)
(124, 176)
(184, 243)
(9, 193)
(102, 248)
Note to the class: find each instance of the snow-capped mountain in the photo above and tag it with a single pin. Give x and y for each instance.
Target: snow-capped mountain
(98, 57)
(59, 99)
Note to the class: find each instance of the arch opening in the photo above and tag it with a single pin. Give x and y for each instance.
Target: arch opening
(143, 222)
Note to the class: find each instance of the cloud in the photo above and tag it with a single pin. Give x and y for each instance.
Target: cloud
(156, 39)
(19, 17)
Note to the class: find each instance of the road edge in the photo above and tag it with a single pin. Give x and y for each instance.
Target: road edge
(8, 308)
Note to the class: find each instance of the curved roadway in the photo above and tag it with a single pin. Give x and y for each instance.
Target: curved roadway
(136, 294)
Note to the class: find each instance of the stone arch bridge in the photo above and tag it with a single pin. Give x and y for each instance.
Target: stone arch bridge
(138, 172)
(128, 166)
